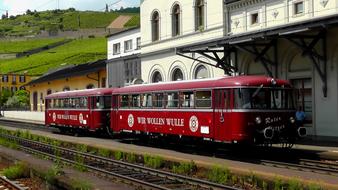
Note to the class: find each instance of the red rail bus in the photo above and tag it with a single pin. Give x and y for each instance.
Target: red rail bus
(79, 111)
(254, 109)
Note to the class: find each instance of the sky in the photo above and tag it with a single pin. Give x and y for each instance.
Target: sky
(15, 7)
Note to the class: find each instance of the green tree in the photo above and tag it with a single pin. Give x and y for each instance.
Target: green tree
(5, 94)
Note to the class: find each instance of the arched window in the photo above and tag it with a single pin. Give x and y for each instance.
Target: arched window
(49, 91)
(155, 26)
(177, 75)
(90, 86)
(176, 20)
(157, 77)
(201, 72)
(199, 15)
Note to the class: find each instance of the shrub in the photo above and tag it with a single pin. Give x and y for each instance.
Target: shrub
(219, 175)
(153, 161)
(52, 173)
(104, 152)
(131, 158)
(185, 168)
(278, 184)
(294, 185)
(17, 171)
(80, 184)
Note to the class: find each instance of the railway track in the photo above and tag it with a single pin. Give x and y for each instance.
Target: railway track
(6, 184)
(146, 177)
(323, 167)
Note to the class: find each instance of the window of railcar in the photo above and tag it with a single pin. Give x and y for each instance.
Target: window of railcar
(107, 102)
(187, 99)
(203, 99)
(147, 101)
(65, 103)
(83, 103)
(158, 99)
(124, 101)
(48, 103)
(172, 100)
(135, 101)
(102, 102)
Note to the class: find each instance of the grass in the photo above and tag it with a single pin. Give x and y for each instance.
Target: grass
(185, 168)
(134, 21)
(153, 161)
(219, 174)
(17, 46)
(19, 170)
(31, 24)
(76, 52)
(80, 184)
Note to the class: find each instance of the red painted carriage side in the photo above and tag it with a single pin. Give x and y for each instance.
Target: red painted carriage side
(86, 117)
(238, 125)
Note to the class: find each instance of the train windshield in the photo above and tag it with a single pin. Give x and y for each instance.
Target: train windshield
(264, 98)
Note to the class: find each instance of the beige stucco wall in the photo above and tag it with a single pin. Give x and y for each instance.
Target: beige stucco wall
(74, 83)
(274, 13)
(213, 23)
(160, 55)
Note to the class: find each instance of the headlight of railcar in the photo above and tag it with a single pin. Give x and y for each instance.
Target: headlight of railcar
(292, 120)
(258, 120)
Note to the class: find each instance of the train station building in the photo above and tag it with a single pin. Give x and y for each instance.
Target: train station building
(294, 40)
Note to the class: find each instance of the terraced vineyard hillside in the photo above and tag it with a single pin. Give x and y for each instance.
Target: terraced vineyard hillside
(32, 23)
(76, 52)
(7, 46)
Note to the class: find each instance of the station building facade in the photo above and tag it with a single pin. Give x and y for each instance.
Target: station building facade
(289, 39)
(74, 77)
(124, 62)
(167, 24)
(301, 59)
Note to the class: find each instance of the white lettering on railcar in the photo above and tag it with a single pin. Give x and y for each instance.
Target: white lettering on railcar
(173, 122)
(67, 117)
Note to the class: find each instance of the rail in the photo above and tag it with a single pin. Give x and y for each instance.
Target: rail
(6, 184)
(144, 176)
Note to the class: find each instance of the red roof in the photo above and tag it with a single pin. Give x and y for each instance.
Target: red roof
(79, 93)
(236, 81)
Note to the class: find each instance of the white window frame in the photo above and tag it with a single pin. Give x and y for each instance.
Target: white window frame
(138, 43)
(117, 51)
(128, 46)
(294, 5)
(251, 18)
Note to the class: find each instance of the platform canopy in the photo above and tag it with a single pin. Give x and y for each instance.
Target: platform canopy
(307, 35)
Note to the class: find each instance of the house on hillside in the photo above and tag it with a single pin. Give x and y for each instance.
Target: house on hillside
(75, 77)
(14, 82)
(124, 63)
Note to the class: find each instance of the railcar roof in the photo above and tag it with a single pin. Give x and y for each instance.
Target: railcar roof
(79, 93)
(203, 84)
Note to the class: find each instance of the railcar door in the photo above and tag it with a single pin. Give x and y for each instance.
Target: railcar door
(114, 114)
(222, 122)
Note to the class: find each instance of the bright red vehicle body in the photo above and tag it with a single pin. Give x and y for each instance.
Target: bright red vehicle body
(211, 109)
(83, 109)
(253, 109)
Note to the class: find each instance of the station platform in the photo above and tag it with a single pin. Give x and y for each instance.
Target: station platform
(325, 180)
